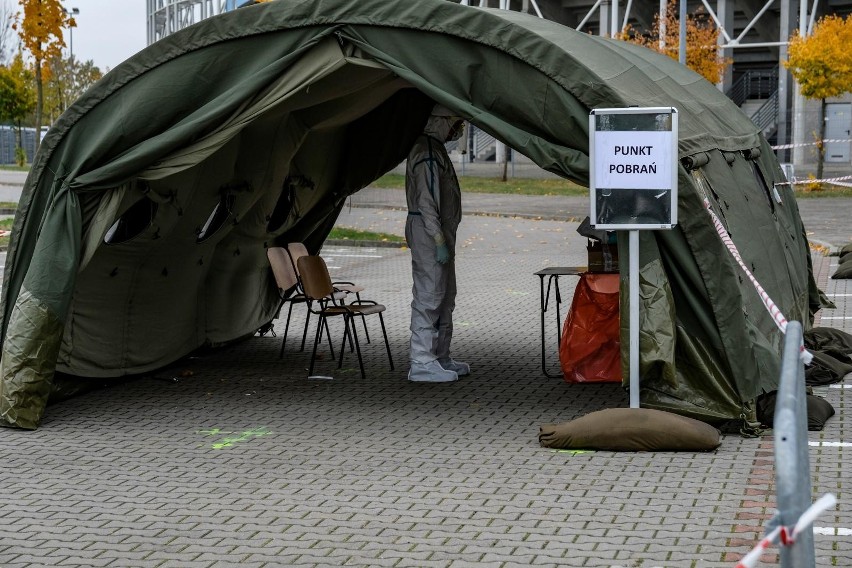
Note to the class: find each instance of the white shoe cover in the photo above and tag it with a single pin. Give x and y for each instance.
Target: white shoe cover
(430, 372)
(461, 369)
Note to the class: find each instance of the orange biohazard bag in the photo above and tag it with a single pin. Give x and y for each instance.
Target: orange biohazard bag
(590, 351)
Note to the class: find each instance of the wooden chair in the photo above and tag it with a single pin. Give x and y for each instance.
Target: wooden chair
(298, 250)
(287, 281)
(318, 287)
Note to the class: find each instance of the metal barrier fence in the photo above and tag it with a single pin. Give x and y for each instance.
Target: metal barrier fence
(792, 466)
(792, 526)
(9, 141)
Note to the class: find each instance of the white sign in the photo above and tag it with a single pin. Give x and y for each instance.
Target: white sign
(633, 160)
(633, 168)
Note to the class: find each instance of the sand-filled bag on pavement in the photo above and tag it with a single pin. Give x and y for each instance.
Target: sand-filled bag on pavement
(631, 430)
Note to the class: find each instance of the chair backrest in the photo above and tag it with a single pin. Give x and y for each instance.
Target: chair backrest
(297, 251)
(282, 268)
(316, 283)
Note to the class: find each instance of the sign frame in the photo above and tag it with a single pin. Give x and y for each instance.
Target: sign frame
(669, 178)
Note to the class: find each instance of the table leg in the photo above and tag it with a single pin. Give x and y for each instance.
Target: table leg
(545, 301)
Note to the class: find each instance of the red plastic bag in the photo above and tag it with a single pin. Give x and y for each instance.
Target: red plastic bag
(590, 351)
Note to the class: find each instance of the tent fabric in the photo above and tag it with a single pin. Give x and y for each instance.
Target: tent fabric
(279, 111)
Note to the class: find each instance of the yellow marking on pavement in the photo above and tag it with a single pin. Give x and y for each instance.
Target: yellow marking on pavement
(229, 441)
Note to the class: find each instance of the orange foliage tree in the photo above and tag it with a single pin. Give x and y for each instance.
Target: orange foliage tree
(702, 36)
(39, 25)
(822, 65)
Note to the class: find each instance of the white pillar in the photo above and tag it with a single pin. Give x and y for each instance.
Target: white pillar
(605, 13)
(800, 153)
(501, 152)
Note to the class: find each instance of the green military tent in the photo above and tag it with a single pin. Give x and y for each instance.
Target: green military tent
(142, 228)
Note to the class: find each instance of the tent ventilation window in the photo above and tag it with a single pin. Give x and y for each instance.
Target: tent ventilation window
(282, 208)
(218, 217)
(760, 181)
(133, 223)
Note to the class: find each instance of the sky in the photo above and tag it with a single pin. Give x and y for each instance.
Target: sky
(108, 31)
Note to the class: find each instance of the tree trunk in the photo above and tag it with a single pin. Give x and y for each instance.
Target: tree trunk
(505, 162)
(821, 142)
(39, 104)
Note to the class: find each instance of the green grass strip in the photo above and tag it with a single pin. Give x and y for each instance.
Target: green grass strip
(346, 234)
(515, 186)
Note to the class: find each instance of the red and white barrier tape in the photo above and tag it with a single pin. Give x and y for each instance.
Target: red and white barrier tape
(785, 535)
(807, 181)
(771, 307)
(802, 144)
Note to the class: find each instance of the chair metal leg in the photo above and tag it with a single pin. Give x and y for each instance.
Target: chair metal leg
(305, 332)
(316, 341)
(286, 329)
(358, 349)
(367, 333)
(363, 319)
(387, 343)
(343, 343)
(328, 336)
(347, 337)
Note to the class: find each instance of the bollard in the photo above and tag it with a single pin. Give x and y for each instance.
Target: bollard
(792, 466)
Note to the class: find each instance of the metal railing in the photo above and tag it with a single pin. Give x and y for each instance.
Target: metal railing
(482, 141)
(766, 117)
(754, 84)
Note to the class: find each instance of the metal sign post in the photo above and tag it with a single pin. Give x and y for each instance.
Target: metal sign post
(633, 275)
(633, 186)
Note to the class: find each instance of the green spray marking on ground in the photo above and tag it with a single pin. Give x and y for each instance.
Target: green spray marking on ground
(229, 441)
(573, 452)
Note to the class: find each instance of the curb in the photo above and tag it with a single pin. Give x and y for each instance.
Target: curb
(535, 217)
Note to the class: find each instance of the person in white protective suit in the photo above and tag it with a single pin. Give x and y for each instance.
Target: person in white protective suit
(434, 212)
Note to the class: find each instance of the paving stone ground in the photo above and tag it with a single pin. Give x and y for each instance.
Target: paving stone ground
(236, 458)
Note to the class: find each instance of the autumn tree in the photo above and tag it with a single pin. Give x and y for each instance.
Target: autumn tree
(702, 37)
(7, 16)
(822, 65)
(40, 28)
(17, 99)
(68, 79)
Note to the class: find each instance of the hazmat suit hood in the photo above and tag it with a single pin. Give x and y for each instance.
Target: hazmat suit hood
(439, 127)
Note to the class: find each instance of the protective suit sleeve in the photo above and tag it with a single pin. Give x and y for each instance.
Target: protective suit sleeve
(428, 195)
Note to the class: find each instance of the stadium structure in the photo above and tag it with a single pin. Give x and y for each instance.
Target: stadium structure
(753, 34)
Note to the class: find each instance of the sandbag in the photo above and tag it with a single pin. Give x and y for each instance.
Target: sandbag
(835, 342)
(846, 249)
(819, 410)
(843, 272)
(844, 269)
(590, 351)
(831, 349)
(631, 430)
